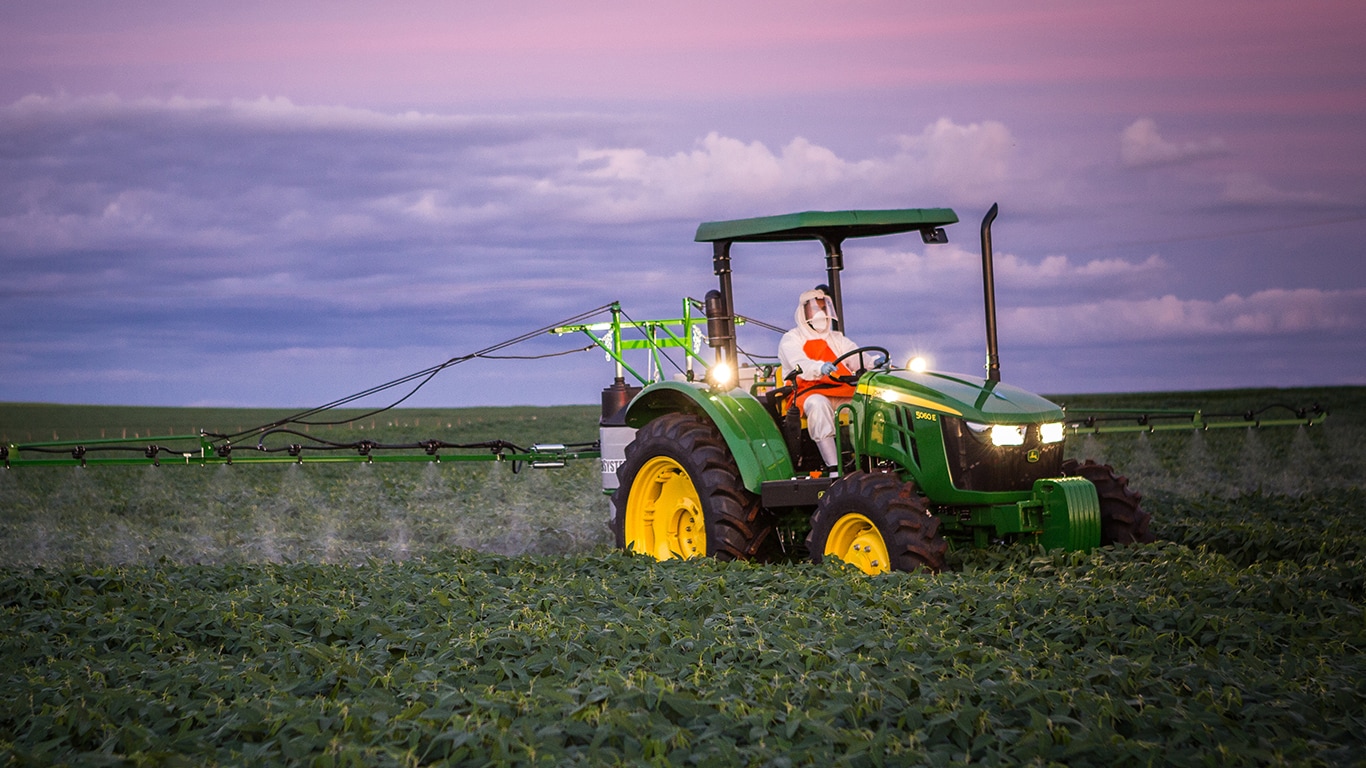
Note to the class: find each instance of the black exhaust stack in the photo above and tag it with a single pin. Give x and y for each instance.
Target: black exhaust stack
(989, 286)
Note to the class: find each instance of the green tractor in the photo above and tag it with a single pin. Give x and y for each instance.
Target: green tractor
(723, 466)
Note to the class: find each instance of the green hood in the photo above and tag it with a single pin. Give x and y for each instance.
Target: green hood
(974, 399)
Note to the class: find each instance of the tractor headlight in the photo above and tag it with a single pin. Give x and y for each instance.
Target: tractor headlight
(1051, 432)
(722, 376)
(1007, 434)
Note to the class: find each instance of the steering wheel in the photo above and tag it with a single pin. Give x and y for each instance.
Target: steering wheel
(860, 352)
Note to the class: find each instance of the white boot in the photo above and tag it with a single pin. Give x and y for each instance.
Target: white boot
(829, 454)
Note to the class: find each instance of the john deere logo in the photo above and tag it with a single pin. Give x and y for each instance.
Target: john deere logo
(1033, 456)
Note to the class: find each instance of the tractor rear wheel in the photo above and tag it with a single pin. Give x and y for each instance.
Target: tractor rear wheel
(1122, 520)
(877, 523)
(680, 495)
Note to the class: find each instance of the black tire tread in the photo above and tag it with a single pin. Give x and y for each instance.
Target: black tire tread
(738, 528)
(911, 534)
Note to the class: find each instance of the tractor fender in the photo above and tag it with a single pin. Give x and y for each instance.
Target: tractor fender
(750, 432)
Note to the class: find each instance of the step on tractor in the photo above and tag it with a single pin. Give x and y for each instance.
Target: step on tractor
(721, 465)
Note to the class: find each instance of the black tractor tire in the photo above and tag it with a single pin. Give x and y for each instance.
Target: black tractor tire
(701, 479)
(868, 516)
(1122, 520)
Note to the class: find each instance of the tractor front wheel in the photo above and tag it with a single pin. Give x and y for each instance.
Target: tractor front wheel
(876, 523)
(1122, 520)
(680, 495)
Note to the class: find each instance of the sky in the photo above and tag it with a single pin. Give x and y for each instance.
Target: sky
(284, 203)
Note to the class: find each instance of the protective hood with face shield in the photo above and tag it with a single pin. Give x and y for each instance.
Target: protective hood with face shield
(815, 314)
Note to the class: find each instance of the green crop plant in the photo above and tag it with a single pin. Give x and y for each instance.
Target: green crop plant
(1163, 654)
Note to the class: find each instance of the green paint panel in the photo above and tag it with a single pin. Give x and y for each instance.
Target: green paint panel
(1071, 513)
(812, 225)
(974, 399)
(753, 437)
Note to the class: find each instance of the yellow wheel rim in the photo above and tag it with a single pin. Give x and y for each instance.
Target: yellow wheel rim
(855, 540)
(664, 512)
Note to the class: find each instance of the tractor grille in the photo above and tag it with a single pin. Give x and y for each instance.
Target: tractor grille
(977, 465)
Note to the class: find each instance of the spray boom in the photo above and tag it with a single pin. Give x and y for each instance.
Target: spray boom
(1111, 420)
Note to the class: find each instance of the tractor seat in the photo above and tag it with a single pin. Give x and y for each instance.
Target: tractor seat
(778, 401)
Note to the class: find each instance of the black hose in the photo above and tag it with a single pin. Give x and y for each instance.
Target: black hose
(425, 375)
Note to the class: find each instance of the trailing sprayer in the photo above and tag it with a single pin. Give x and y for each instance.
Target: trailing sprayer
(717, 460)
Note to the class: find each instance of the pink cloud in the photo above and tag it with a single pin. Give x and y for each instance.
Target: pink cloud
(1140, 145)
(1270, 312)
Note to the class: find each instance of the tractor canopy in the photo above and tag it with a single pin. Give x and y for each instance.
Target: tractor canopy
(975, 400)
(826, 225)
(830, 228)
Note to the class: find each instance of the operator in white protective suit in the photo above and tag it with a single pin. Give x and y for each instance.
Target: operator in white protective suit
(813, 346)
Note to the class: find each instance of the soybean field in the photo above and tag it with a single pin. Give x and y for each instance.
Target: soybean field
(466, 615)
